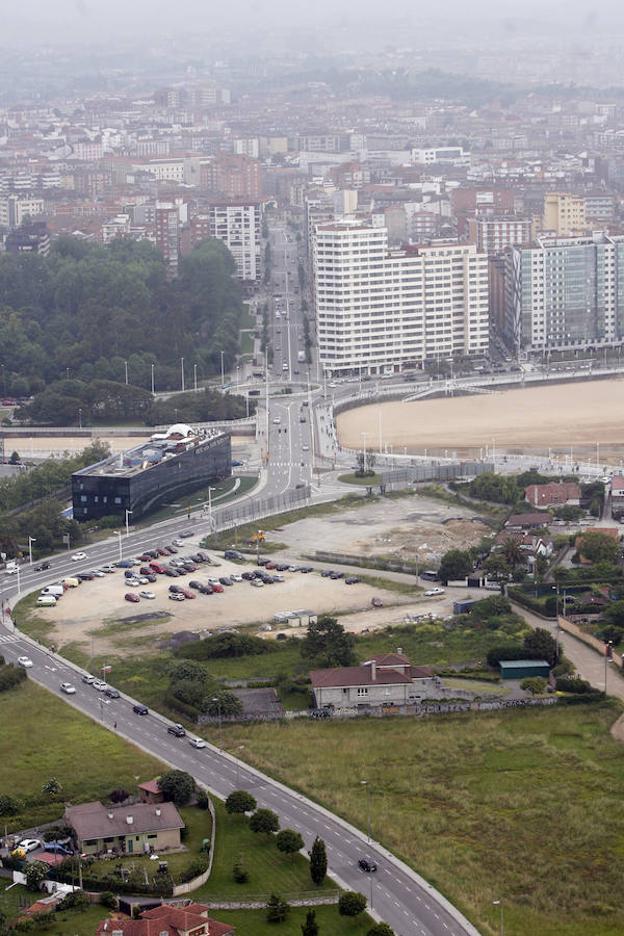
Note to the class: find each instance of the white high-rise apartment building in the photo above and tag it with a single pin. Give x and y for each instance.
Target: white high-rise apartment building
(378, 309)
(239, 227)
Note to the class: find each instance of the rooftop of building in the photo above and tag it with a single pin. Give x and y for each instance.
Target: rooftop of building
(162, 446)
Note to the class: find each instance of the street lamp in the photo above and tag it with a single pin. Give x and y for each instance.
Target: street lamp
(152, 380)
(222, 371)
(118, 534)
(364, 436)
(80, 417)
(499, 904)
(218, 701)
(194, 376)
(182, 372)
(126, 371)
(210, 490)
(365, 784)
(128, 513)
(31, 540)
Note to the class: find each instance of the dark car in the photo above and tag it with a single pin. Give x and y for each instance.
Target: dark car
(232, 554)
(140, 709)
(152, 552)
(352, 580)
(197, 558)
(195, 584)
(42, 567)
(248, 576)
(263, 562)
(172, 549)
(205, 589)
(112, 693)
(367, 864)
(145, 557)
(166, 551)
(327, 573)
(85, 577)
(190, 567)
(151, 577)
(224, 580)
(161, 552)
(321, 713)
(177, 730)
(172, 573)
(307, 569)
(129, 573)
(282, 567)
(174, 589)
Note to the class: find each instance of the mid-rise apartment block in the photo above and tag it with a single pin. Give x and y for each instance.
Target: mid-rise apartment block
(493, 234)
(232, 176)
(167, 235)
(16, 209)
(239, 226)
(564, 215)
(378, 309)
(565, 293)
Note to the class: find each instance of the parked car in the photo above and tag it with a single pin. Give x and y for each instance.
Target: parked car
(224, 580)
(85, 576)
(174, 589)
(434, 591)
(140, 709)
(129, 573)
(57, 848)
(177, 730)
(68, 689)
(130, 596)
(150, 595)
(29, 845)
(367, 864)
(205, 589)
(97, 573)
(25, 661)
(46, 600)
(194, 584)
(188, 593)
(217, 588)
(177, 596)
(257, 583)
(352, 580)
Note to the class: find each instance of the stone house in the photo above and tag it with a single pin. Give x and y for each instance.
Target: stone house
(387, 679)
(140, 828)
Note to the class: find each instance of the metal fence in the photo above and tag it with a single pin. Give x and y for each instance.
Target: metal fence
(254, 509)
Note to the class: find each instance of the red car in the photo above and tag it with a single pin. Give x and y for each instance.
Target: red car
(188, 593)
(217, 588)
(270, 565)
(144, 557)
(130, 596)
(157, 567)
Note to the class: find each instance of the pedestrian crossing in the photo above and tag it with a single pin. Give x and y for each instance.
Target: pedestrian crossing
(8, 638)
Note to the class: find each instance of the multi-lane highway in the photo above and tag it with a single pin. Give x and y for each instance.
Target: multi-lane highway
(396, 894)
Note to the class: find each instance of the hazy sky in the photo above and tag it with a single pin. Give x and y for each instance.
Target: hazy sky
(97, 20)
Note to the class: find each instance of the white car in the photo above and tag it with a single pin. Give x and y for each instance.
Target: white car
(176, 596)
(142, 580)
(67, 688)
(79, 556)
(305, 448)
(147, 594)
(276, 420)
(236, 577)
(47, 600)
(99, 684)
(97, 572)
(25, 661)
(133, 583)
(434, 591)
(198, 743)
(107, 569)
(257, 583)
(29, 845)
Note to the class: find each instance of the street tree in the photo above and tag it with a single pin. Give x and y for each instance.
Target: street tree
(328, 643)
(288, 841)
(240, 801)
(380, 929)
(318, 861)
(310, 927)
(36, 873)
(351, 904)
(264, 821)
(455, 564)
(177, 787)
(276, 909)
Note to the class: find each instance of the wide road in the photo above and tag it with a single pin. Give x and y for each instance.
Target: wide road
(409, 905)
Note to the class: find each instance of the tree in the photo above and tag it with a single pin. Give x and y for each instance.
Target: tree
(310, 927)
(240, 801)
(239, 871)
(455, 564)
(380, 929)
(496, 568)
(598, 547)
(177, 786)
(536, 685)
(51, 787)
(265, 821)
(288, 841)
(512, 552)
(328, 643)
(118, 796)
(542, 645)
(276, 909)
(351, 904)
(222, 702)
(36, 872)
(318, 861)
(14, 458)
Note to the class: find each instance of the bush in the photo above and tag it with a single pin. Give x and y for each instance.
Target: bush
(351, 904)
(240, 801)
(11, 676)
(224, 646)
(9, 806)
(265, 821)
(573, 684)
(276, 909)
(36, 872)
(194, 869)
(536, 685)
(240, 872)
(203, 800)
(108, 899)
(76, 900)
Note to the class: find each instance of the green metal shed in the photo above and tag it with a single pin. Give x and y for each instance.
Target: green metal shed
(521, 669)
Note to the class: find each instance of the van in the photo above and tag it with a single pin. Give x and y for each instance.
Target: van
(11, 568)
(71, 582)
(46, 600)
(55, 590)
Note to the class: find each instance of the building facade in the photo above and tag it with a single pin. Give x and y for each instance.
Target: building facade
(239, 226)
(378, 310)
(493, 235)
(564, 215)
(565, 293)
(140, 479)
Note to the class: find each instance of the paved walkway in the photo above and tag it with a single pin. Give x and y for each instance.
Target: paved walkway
(590, 665)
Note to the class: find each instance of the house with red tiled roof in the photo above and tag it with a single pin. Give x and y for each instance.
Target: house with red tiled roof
(166, 920)
(150, 792)
(553, 494)
(386, 679)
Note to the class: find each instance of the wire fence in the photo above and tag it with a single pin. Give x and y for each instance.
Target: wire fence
(254, 509)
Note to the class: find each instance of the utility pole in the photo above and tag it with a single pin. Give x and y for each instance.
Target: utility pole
(365, 784)
(152, 380)
(182, 372)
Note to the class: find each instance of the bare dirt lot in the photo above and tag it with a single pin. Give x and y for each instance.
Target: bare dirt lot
(37, 446)
(414, 528)
(557, 416)
(92, 615)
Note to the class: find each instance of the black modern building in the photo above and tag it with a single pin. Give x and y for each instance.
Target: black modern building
(140, 480)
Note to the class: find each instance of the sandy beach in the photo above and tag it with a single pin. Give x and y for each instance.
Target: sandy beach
(559, 416)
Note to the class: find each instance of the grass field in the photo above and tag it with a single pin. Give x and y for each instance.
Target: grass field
(43, 737)
(507, 806)
(253, 922)
(368, 481)
(270, 871)
(66, 922)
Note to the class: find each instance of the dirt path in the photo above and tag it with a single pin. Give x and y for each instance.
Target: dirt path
(617, 729)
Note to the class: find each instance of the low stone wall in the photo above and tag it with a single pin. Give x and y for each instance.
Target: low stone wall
(569, 627)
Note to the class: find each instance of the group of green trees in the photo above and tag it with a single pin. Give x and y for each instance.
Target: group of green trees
(86, 310)
(194, 692)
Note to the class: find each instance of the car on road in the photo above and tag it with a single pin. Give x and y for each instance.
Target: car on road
(112, 693)
(276, 420)
(305, 448)
(178, 730)
(140, 709)
(79, 556)
(150, 595)
(198, 743)
(177, 596)
(42, 567)
(68, 689)
(99, 685)
(367, 864)
(25, 661)
(185, 534)
(88, 679)
(29, 845)
(434, 591)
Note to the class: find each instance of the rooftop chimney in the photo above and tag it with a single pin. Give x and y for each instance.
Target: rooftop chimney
(157, 811)
(373, 670)
(129, 820)
(400, 651)
(110, 815)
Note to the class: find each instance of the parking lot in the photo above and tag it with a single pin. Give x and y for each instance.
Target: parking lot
(97, 618)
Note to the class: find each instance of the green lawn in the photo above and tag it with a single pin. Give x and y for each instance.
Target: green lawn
(253, 922)
(43, 737)
(369, 481)
(269, 870)
(505, 806)
(66, 923)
